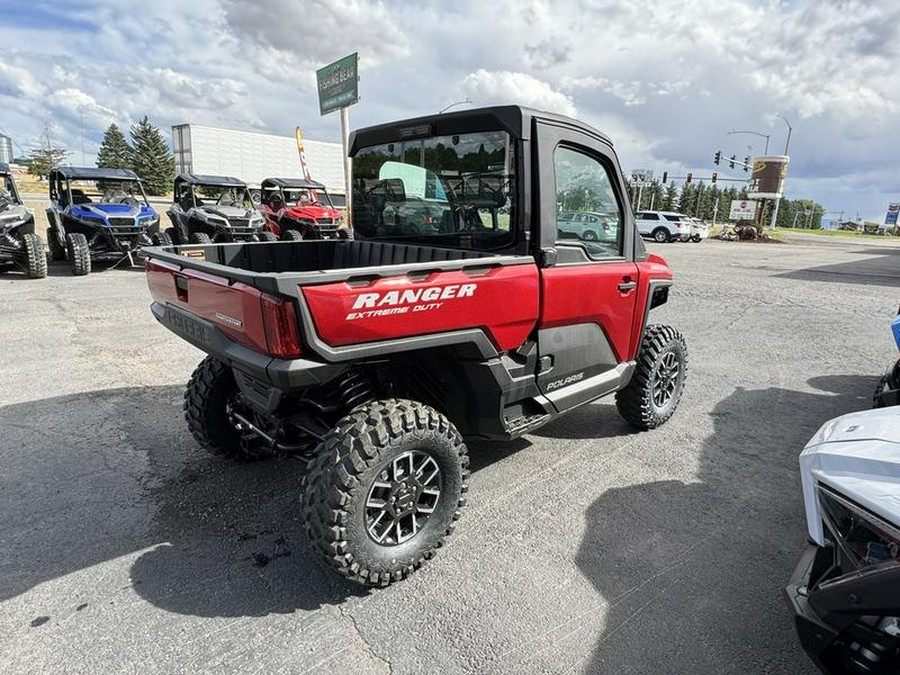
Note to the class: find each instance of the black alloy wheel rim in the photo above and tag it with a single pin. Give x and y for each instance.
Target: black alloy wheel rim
(402, 498)
(666, 380)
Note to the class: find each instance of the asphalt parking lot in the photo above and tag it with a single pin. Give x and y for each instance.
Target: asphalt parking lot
(585, 547)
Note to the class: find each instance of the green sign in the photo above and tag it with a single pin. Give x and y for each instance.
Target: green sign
(338, 84)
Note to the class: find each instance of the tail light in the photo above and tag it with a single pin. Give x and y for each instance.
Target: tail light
(280, 321)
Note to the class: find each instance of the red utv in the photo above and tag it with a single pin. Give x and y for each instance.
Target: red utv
(299, 208)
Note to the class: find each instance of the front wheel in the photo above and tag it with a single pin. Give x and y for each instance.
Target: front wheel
(267, 236)
(200, 238)
(291, 235)
(79, 254)
(695, 238)
(385, 489)
(35, 258)
(162, 239)
(660, 235)
(655, 389)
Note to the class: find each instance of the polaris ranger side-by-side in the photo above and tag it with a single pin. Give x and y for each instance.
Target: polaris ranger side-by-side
(20, 247)
(98, 213)
(214, 209)
(379, 356)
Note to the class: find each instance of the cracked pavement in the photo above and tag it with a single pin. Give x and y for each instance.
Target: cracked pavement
(584, 548)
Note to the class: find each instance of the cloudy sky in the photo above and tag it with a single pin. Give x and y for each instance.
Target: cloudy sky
(666, 80)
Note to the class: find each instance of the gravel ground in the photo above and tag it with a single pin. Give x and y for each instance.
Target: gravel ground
(585, 548)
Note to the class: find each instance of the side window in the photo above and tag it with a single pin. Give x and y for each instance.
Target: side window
(650, 216)
(584, 187)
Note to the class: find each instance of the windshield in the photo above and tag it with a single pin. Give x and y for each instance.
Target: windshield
(7, 190)
(446, 190)
(218, 195)
(308, 197)
(104, 191)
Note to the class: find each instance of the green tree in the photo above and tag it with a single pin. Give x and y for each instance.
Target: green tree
(670, 199)
(152, 159)
(115, 152)
(45, 156)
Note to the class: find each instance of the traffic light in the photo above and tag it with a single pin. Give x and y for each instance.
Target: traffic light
(731, 163)
(665, 176)
(718, 157)
(689, 176)
(746, 163)
(715, 177)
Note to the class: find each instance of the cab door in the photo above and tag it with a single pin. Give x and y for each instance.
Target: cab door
(588, 284)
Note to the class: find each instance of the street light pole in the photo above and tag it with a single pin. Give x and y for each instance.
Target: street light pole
(755, 133)
(440, 112)
(787, 143)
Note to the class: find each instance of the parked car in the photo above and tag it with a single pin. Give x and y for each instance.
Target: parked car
(588, 226)
(888, 390)
(20, 247)
(98, 213)
(663, 226)
(212, 210)
(299, 208)
(378, 356)
(845, 591)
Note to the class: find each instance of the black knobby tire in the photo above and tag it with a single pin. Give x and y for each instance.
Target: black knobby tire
(639, 402)
(210, 390)
(291, 235)
(696, 238)
(877, 399)
(661, 235)
(35, 257)
(162, 239)
(79, 254)
(200, 238)
(267, 236)
(172, 233)
(57, 252)
(339, 482)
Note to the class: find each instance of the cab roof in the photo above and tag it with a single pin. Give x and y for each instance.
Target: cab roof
(4, 169)
(202, 179)
(515, 120)
(292, 183)
(93, 173)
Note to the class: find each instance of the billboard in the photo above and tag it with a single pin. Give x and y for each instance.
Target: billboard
(338, 84)
(642, 177)
(891, 217)
(767, 179)
(742, 209)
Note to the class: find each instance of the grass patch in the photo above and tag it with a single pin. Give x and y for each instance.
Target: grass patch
(829, 233)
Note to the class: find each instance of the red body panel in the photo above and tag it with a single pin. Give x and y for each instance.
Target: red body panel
(296, 212)
(573, 294)
(234, 308)
(503, 301)
(655, 267)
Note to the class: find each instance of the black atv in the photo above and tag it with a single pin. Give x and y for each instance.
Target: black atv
(20, 247)
(214, 209)
(99, 214)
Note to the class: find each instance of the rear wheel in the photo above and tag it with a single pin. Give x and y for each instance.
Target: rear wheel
(661, 235)
(162, 239)
(291, 235)
(200, 238)
(172, 233)
(57, 252)
(385, 489)
(209, 402)
(695, 238)
(651, 397)
(79, 254)
(589, 235)
(267, 236)
(35, 257)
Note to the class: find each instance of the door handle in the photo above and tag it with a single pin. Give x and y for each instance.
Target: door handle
(627, 286)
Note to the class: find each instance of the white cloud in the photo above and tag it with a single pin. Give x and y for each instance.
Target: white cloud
(486, 88)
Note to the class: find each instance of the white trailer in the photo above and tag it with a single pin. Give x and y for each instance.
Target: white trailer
(253, 157)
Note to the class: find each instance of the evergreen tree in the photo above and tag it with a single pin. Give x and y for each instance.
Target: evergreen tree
(47, 155)
(152, 159)
(670, 199)
(114, 150)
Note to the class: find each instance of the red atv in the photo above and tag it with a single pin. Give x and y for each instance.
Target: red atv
(298, 208)
(380, 356)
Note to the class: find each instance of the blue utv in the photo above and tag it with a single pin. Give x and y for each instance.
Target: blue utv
(99, 214)
(20, 247)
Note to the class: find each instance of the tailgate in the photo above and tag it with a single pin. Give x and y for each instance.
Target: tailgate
(500, 300)
(232, 307)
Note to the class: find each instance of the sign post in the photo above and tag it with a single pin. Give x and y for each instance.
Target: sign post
(767, 180)
(338, 86)
(641, 178)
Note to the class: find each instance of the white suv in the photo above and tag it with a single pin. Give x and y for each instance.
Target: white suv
(663, 226)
